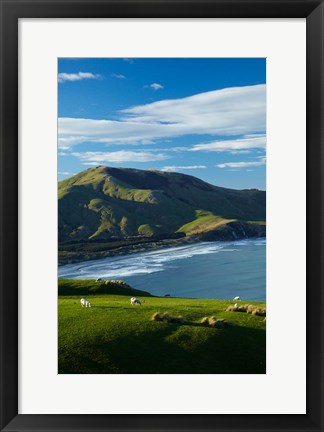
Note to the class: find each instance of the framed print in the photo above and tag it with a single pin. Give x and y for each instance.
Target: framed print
(161, 224)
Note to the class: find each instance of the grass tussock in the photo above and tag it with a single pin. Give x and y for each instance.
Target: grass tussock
(247, 308)
(214, 322)
(205, 321)
(167, 318)
(116, 282)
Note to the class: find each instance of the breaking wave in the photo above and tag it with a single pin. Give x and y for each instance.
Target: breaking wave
(147, 262)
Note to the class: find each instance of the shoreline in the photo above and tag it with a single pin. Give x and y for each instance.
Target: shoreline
(72, 257)
(74, 252)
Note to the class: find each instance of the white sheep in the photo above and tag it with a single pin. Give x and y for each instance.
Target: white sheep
(135, 301)
(237, 298)
(85, 303)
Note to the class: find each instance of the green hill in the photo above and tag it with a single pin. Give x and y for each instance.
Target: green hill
(108, 203)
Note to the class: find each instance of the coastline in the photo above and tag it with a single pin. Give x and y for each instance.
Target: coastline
(72, 257)
(86, 251)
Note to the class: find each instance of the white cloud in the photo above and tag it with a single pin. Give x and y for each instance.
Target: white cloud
(79, 76)
(237, 145)
(231, 111)
(96, 158)
(260, 162)
(225, 110)
(118, 76)
(155, 86)
(129, 60)
(176, 168)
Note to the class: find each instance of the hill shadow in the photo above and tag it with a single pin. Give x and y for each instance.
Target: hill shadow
(172, 349)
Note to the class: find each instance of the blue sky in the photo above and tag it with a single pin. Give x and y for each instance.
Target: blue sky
(203, 117)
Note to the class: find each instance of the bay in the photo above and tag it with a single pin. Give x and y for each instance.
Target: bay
(214, 270)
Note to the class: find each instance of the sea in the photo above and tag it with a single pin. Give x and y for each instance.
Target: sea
(211, 270)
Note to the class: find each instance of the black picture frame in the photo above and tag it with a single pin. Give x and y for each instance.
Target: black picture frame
(11, 12)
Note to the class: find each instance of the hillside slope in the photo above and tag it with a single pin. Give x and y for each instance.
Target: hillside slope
(121, 338)
(106, 203)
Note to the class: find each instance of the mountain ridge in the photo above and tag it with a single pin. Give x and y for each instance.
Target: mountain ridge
(107, 202)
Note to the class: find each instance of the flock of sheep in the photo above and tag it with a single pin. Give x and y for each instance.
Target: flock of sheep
(134, 302)
(207, 321)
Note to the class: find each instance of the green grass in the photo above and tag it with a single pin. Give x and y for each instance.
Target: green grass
(258, 222)
(114, 337)
(71, 287)
(205, 221)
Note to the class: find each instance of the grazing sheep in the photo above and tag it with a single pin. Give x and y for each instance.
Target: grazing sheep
(135, 301)
(237, 298)
(98, 279)
(85, 303)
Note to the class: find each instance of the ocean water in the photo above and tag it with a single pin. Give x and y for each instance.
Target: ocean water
(214, 270)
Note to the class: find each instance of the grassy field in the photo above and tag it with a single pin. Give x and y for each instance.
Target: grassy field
(114, 337)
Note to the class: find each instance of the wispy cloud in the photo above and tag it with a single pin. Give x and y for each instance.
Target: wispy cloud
(180, 168)
(231, 112)
(154, 86)
(65, 173)
(129, 60)
(260, 162)
(237, 145)
(118, 76)
(95, 158)
(240, 152)
(63, 77)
